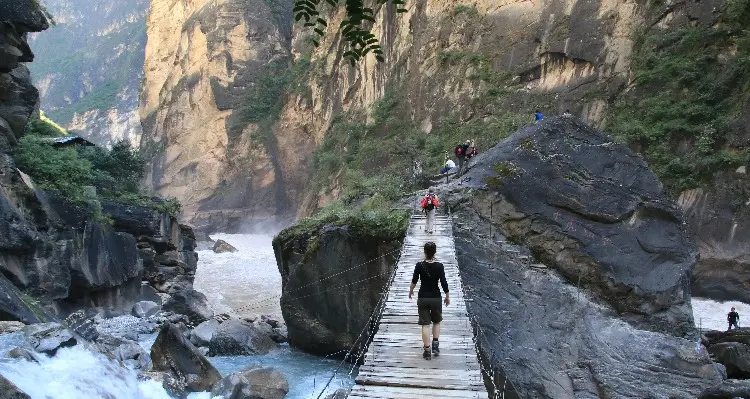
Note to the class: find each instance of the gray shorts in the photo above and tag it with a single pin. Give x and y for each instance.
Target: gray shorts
(430, 310)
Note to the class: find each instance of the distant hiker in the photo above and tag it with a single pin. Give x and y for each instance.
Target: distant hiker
(732, 318)
(538, 116)
(471, 150)
(460, 152)
(429, 305)
(449, 164)
(429, 205)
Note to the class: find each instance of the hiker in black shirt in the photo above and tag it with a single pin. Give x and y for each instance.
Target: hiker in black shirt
(429, 303)
(732, 318)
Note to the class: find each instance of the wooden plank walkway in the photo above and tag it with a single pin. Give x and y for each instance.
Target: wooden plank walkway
(394, 367)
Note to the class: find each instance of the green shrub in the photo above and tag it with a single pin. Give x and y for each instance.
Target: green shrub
(44, 127)
(54, 168)
(691, 82)
(116, 171)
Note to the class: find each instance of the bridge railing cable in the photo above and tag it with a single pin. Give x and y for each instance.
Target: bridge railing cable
(372, 321)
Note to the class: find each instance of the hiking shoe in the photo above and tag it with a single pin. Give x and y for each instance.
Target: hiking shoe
(436, 348)
(427, 354)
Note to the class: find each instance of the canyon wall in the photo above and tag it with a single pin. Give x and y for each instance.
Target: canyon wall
(89, 67)
(57, 255)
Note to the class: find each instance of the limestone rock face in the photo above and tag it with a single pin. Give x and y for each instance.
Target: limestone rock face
(311, 304)
(89, 68)
(8, 390)
(567, 241)
(201, 58)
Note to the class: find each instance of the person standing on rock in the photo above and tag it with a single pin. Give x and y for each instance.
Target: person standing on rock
(732, 318)
(429, 301)
(429, 204)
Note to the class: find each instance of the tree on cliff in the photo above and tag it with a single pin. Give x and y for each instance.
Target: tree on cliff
(355, 28)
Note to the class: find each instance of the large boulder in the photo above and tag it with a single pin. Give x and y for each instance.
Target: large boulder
(221, 246)
(256, 383)
(239, 337)
(734, 356)
(202, 334)
(191, 303)
(8, 390)
(576, 266)
(48, 338)
(741, 335)
(311, 309)
(173, 353)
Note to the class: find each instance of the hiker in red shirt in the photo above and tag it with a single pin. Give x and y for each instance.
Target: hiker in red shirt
(429, 204)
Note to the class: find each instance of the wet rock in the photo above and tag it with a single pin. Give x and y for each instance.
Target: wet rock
(11, 326)
(272, 320)
(202, 334)
(21, 353)
(735, 356)
(255, 383)
(49, 337)
(203, 350)
(174, 353)
(191, 303)
(238, 337)
(729, 389)
(145, 309)
(221, 246)
(8, 390)
(174, 387)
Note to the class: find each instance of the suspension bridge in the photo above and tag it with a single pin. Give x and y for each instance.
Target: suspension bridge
(393, 365)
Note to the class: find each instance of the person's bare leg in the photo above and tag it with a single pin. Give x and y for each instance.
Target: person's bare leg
(435, 331)
(426, 336)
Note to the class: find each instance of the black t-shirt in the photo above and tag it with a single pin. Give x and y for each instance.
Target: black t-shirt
(430, 273)
(733, 316)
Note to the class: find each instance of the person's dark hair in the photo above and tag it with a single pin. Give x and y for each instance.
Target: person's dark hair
(429, 250)
(537, 111)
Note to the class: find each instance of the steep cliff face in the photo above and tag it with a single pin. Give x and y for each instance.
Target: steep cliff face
(201, 57)
(89, 67)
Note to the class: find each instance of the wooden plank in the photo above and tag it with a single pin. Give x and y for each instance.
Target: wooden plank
(394, 367)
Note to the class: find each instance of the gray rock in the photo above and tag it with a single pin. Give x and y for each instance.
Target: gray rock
(191, 303)
(272, 320)
(280, 334)
(203, 350)
(127, 326)
(202, 334)
(21, 353)
(728, 389)
(145, 309)
(49, 337)
(11, 326)
(132, 354)
(735, 356)
(314, 322)
(238, 337)
(255, 383)
(8, 390)
(221, 246)
(173, 353)
(12, 305)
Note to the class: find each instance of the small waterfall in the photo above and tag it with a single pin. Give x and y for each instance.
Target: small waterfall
(731, 233)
